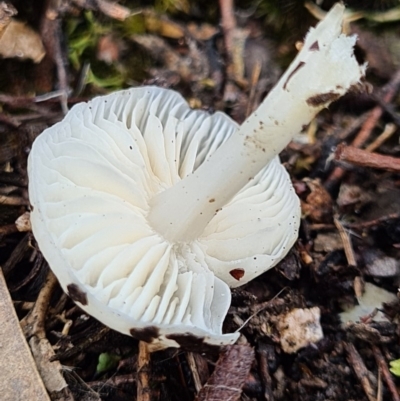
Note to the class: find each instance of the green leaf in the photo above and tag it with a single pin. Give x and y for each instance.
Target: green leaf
(106, 362)
(395, 367)
(112, 82)
(83, 36)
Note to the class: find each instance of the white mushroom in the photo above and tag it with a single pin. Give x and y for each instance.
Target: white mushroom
(147, 211)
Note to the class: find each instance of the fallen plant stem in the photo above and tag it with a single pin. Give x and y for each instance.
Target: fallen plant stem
(195, 373)
(390, 89)
(34, 322)
(374, 222)
(143, 370)
(114, 381)
(348, 248)
(17, 254)
(13, 200)
(363, 158)
(389, 130)
(110, 9)
(255, 76)
(82, 346)
(8, 229)
(51, 32)
(383, 368)
(362, 373)
(262, 357)
(228, 22)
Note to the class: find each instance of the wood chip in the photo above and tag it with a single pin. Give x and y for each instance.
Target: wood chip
(19, 379)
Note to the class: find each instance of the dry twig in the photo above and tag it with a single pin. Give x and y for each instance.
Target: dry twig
(360, 370)
(347, 246)
(262, 356)
(143, 369)
(112, 10)
(389, 130)
(34, 322)
(374, 222)
(114, 381)
(383, 368)
(193, 367)
(375, 114)
(360, 157)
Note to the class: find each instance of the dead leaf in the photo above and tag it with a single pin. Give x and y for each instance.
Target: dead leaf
(17, 39)
(7, 11)
(230, 374)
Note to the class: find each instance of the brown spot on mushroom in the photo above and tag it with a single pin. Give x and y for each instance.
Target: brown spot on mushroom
(297, 68)
(314, 46)
(237, 274)
(76, 294)
(212, 200)
(361, 87)
(322, 98)
(190, 342)
(146, 334)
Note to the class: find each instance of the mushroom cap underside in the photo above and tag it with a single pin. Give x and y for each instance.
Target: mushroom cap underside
(91, 178)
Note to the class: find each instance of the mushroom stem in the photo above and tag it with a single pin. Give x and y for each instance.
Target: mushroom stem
(323, 71)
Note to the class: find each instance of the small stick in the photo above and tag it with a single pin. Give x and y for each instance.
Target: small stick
(76, 349)
(195, 372)
(389, 130)
(255, 76)
(321, 226)
(375, 114)
(8, 229)
(34, 323)
(143, 369)
(228, 22)
(114, 381)
(360, 370)
(13, 201)
(363, 158)
(51, 33)
(112, 10)
(348, 248)
(374, 222)
(262, 356)
(379, 391)
(380, 360)
(16, 255)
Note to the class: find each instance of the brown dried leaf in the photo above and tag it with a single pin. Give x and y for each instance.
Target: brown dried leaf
(318, 204)
(21, 41)
(7, 11)
(230, 374)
